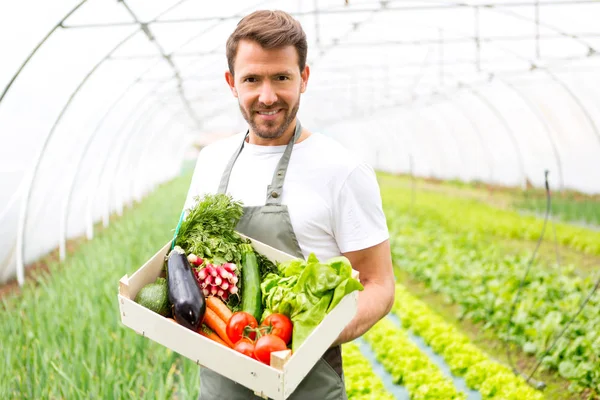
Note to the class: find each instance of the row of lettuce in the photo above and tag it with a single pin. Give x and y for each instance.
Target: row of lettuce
(492, 379)
(470, 215)
(445, 243)
(413, 369)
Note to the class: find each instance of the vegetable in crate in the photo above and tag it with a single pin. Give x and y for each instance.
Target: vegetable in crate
(306, 291)
(155, 296)
(189, 305)
(208, 231)
(252, 296)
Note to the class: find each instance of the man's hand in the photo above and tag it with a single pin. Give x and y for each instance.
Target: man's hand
(377, 276)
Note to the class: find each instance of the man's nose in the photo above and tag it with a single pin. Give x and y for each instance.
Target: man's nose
(267, 94)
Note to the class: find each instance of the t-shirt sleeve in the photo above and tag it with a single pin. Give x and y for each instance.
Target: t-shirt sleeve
(359, 221)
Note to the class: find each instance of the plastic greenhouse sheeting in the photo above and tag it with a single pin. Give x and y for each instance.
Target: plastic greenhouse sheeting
(100, 101)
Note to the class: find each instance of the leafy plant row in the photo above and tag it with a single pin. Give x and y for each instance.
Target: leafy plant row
(361, 382)
(483, 281)
(491, 379)
(467, 215)
(63, 338)
(569, 210)
(408, 365)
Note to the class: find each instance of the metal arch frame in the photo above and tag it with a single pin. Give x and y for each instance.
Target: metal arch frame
(20, 268)
(506, 126)
(419, 143)
(67, 202)
(138, 165)
(572, 94)
(337, 10)
(60, 24)
(443, 118)
(32, 175)
(134, 166)
(487, 154)
(591, 120)
(534, 109)
(100, 175)
(136, 129)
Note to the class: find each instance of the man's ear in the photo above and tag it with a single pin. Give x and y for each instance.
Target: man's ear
(231, 82)
(304, 76)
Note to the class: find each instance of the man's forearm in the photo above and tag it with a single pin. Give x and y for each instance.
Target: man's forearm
(374, 302)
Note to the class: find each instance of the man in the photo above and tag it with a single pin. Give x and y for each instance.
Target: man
(302, 191)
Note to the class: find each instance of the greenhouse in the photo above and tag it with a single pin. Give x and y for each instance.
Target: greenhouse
(478, 121)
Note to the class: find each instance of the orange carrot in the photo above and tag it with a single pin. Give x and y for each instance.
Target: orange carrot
(217, 305)
(213, 336)
(217, 324)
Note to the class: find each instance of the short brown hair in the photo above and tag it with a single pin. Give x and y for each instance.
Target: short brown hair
(271, 30)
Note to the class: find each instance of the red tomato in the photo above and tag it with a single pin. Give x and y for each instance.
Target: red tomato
(280, 326)
(267, 344)
(245, 346)
(236, 326)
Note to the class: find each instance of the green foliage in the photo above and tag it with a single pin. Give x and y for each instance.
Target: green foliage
(565, 208)
(408, 365)
(63, 338)
(472, 216)
(208, 230)
(493, 380)
(446, 247)
(361, 382)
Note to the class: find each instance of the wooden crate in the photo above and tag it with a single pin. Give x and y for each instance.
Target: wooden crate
(277, 381)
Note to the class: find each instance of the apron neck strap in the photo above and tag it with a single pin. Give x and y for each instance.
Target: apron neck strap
(275, 189)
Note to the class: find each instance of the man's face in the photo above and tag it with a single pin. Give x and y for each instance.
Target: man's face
(268, 84)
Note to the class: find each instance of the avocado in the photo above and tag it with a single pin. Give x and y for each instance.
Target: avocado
(155, 297)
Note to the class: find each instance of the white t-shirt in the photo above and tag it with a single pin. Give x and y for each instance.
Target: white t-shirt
(332, 196)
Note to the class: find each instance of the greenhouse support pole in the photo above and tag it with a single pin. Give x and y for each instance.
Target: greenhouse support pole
(141, 189)
(546, 126)
(102, 170)
(73, 178)
(136, 127)
(508, 129)
(585, 111)
(136, 165)
(487, 154)
(40, 44)
(120, 171)
(38, 159)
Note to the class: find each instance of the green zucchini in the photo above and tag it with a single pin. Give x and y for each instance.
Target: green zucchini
(251, 294)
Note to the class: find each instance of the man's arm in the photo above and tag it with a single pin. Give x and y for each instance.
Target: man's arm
(374, 265)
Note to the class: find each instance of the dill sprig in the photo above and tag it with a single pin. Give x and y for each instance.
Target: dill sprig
(208, 231)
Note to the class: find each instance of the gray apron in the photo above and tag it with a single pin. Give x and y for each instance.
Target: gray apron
(271, 224)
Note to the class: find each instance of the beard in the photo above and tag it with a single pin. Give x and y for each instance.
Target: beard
(270, 129)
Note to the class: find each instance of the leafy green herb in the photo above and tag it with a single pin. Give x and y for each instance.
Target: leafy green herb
(208, 231)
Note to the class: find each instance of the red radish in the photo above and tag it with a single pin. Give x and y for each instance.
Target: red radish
(234, 280)
(233, 290)
(225, 296)
(220, 293)
(223, 272)
(214, 290)
(230, 267)
(194, 259)
(202, 274)
(213, 271)
(209, 280)
(218, 281)
(225, 286)
(205, 292)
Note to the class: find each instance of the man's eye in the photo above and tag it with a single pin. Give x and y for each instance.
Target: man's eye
(250, 80)
(282, 78)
